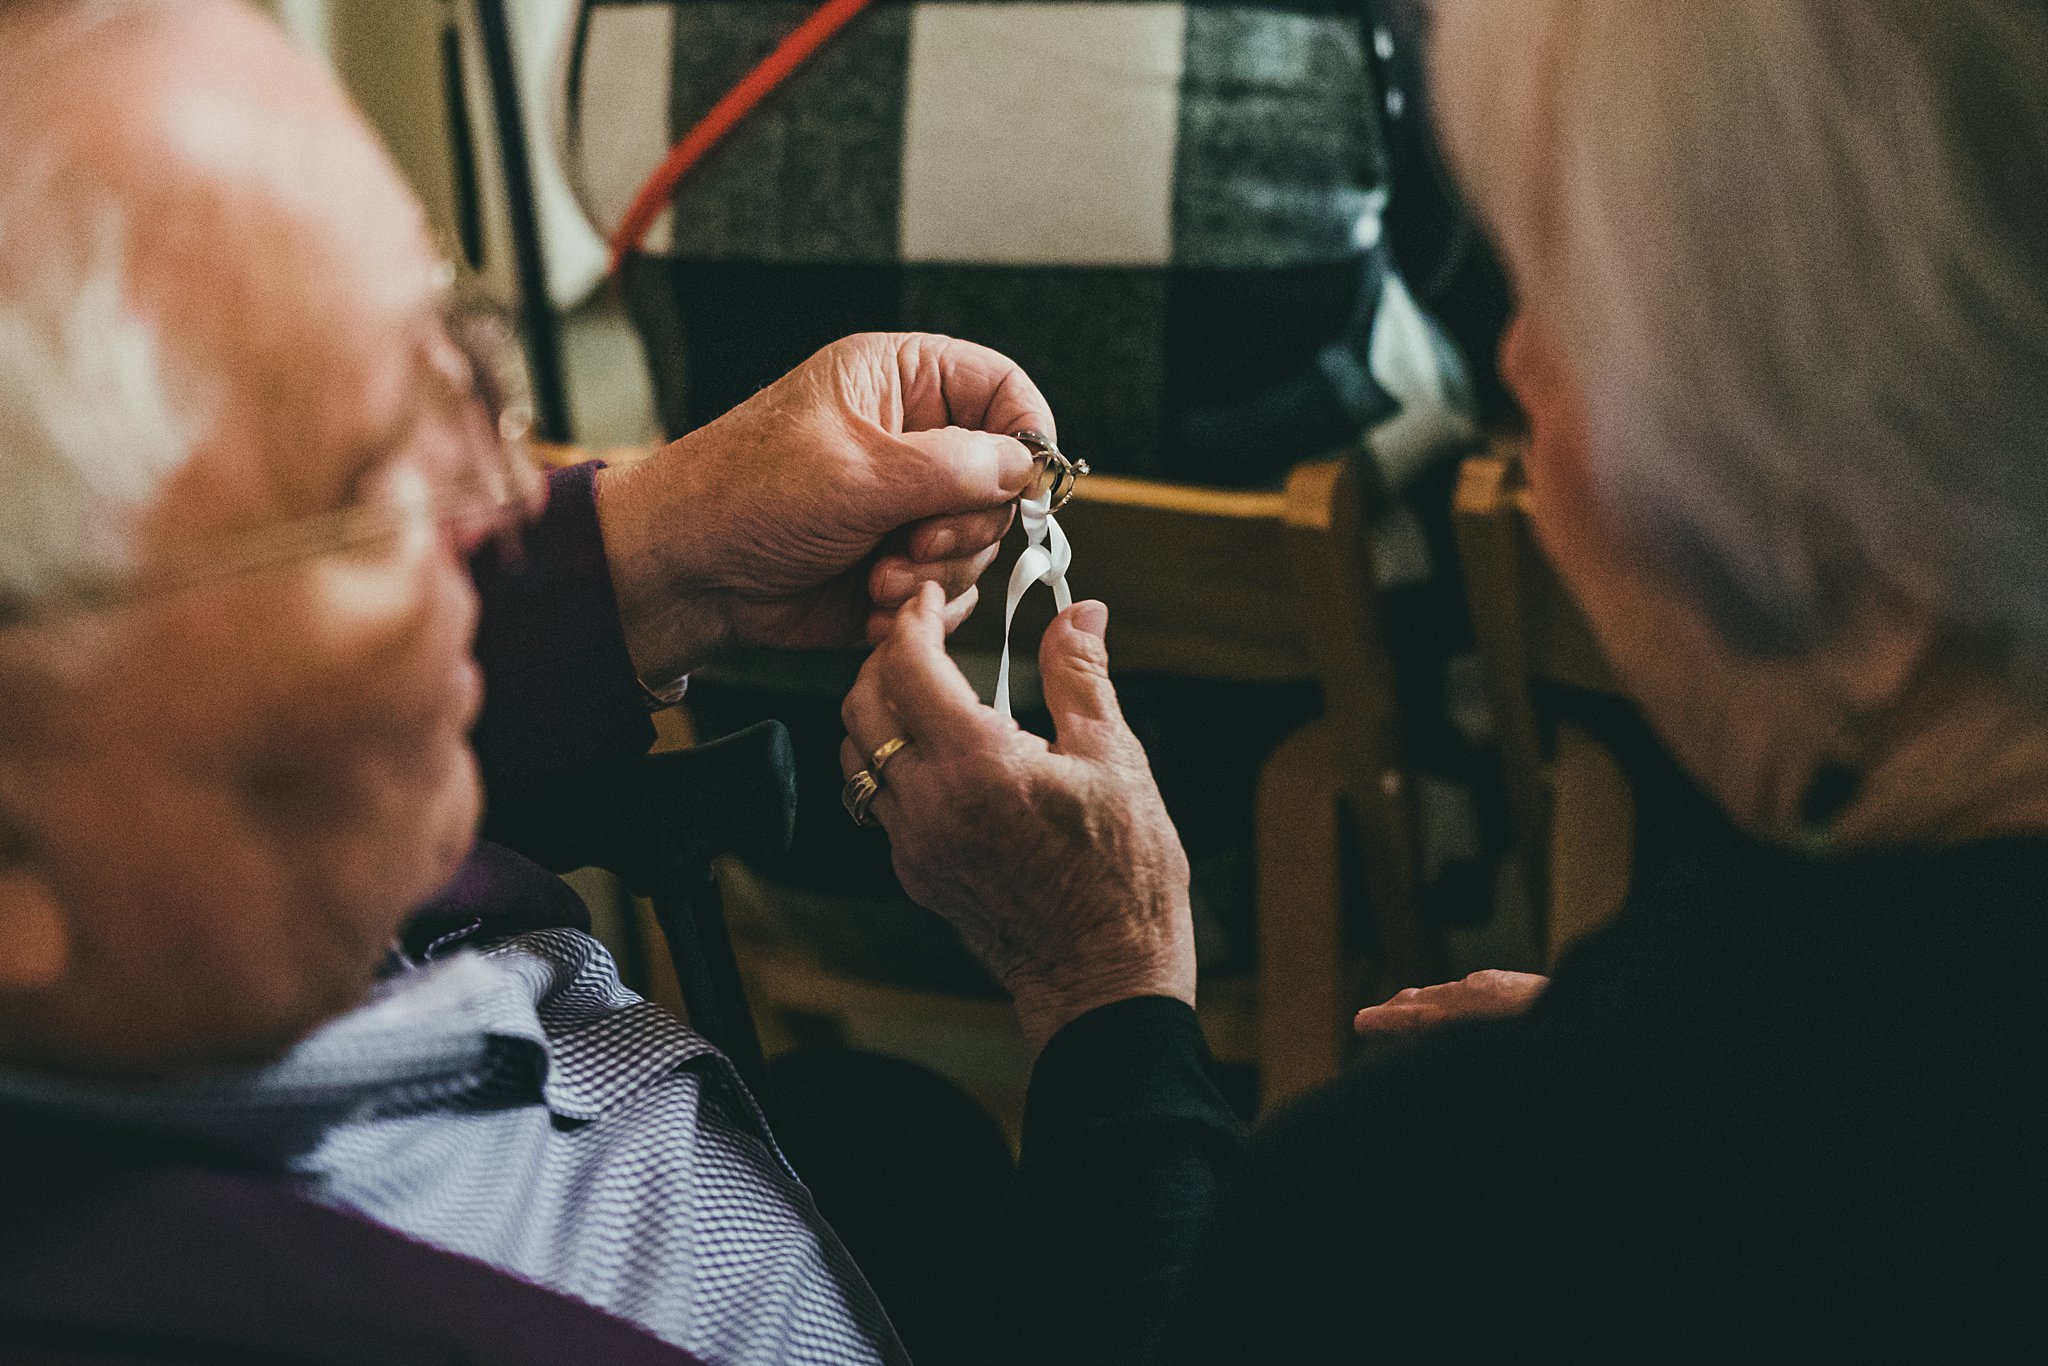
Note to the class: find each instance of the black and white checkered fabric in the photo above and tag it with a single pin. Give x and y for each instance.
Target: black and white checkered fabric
(521, 1107)
(1169, 213)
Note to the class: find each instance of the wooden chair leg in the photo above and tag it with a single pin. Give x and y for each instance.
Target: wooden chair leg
(1592, 827)
(1302, 1010)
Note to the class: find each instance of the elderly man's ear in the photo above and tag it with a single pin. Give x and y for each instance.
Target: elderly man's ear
(35, 938)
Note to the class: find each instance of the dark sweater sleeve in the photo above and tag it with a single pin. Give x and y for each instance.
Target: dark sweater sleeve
(1342, 1230)
(560, 693)
(1147, 1229)
(1125, 1137)
(1286, 1271)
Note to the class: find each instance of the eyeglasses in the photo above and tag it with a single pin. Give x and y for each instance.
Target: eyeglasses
(476, 362)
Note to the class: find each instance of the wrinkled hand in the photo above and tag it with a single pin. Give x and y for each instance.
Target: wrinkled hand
(1482, 995)
(807, 515)
(1056, 861)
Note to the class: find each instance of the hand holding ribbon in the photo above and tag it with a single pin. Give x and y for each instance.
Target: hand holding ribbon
(1045, 560)
(1046, 554)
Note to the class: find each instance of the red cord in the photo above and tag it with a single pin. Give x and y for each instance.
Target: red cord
(724, 116)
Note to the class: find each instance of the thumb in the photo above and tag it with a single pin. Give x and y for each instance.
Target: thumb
(952, 470)
(1073, 665)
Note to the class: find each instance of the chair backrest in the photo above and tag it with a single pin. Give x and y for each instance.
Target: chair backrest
(1571, 802)
(1255, 587)
(1263, 586)
(1199, 580)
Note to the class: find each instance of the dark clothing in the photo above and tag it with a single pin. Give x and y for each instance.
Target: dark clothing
(562, 697)
(911, 1173)
(1126, 1140)
(116, 1255)
(1782, 1107)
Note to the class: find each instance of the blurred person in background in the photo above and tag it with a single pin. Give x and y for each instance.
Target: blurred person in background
(1783, 328)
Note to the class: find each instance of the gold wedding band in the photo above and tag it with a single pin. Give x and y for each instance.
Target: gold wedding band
(858, 795)
(882, 756)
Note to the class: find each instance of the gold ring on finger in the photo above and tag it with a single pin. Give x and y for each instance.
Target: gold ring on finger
(858, 795)
(880, 758)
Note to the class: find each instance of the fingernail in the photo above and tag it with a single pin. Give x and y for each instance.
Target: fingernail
(1091, 617)
(941, 543)
(897, 583)
(1017, 463)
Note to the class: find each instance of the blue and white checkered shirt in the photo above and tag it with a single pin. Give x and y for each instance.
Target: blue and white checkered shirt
(521, 1107)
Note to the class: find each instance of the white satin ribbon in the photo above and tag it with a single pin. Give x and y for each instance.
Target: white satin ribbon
(1045, 560)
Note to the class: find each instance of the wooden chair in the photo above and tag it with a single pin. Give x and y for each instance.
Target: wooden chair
(1572, 806)
(1256, 587)
(1265, 587)
(1250, 587)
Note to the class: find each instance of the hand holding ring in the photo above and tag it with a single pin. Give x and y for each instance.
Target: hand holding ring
(862, 788)
(858, 795)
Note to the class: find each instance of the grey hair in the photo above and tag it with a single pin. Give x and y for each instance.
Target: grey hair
(88, 431)
(1797, 252)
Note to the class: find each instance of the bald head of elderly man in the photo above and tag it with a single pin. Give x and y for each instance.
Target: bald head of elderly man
(245, 460)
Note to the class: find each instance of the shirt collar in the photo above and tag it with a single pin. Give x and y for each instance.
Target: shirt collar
(422, 1037)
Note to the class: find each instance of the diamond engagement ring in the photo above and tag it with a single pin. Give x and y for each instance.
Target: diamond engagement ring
(1060, 477)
